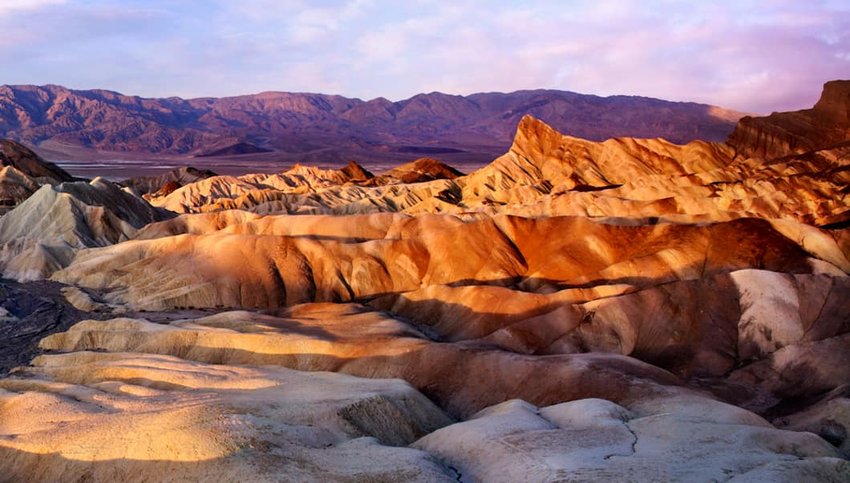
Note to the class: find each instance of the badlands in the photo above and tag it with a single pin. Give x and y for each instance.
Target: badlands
(624, 310)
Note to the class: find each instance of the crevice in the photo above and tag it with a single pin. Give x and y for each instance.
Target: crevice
(633, 447)
(820, 309)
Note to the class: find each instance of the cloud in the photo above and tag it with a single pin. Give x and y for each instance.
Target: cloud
(736, 55)
(8, 6)
(748, 55)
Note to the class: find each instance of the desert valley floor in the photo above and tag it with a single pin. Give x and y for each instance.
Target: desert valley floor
(623, 310)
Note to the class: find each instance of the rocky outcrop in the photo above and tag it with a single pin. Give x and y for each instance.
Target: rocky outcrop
(42, 233)
(699, 301)
(824, 126)
(175, 178)
(28, 162)
(266, 270)
(541, 159)
(354, 172)
(167, 418)
(829, 418)
(29, 312)
(592, 416)
(663, 439)
(419, 171)
(548, 174)
(355, 340)
(15, 187)
(22, 172)
(301, 189)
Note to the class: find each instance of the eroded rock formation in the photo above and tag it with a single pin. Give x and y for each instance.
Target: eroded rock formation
(22, 172)
(576, 310)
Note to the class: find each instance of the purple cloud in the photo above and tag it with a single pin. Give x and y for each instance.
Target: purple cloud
(747, 55)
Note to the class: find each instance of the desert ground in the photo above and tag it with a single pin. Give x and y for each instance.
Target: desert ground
(627, 309)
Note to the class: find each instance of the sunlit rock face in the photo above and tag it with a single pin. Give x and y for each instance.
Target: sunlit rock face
(139, 417)
(629, 309)
(547, 174)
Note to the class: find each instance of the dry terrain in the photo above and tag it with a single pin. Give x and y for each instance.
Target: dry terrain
(627, 309)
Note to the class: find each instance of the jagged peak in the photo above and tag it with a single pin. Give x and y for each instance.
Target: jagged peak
(350, 172)
(355, 172)
(782, 134)
(529, 123)
(532, 133)
(834, 103)
(430, 165)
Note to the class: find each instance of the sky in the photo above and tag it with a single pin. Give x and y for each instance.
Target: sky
(752, 56)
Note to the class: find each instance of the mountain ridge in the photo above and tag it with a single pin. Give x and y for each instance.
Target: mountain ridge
(321, 127)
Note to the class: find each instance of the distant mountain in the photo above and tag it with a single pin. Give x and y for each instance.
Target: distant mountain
(318, 127)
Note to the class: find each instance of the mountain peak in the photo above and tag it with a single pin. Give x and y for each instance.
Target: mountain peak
(532, 134)
(786, 133)
(833, 107)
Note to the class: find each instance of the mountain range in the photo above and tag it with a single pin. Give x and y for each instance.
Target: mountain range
(330, 128)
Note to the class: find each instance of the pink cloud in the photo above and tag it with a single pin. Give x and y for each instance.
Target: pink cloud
(747, 55)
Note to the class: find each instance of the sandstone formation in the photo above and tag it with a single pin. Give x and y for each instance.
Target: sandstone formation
(418, 171)
(159, 417)
(547, 174)
(646, 426)
(145, 185)
(824, 127)
(268, 262)
(355, 340)
(26, 161)
(41, 234)
(22, 172)
(577, 310)
(656, 439)
(684, 298)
